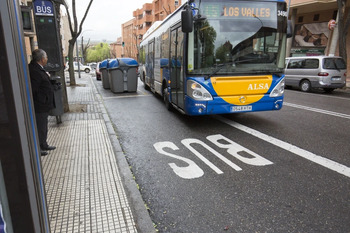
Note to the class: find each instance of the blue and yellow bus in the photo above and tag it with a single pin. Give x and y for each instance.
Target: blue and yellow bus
(218, 56)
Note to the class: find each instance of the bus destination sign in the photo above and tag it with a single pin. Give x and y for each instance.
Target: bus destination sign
(240, 10)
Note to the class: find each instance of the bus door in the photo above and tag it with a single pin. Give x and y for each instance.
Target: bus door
(150, 62)
(176, 74)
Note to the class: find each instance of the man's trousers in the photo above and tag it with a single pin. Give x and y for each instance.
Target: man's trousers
(41, 123)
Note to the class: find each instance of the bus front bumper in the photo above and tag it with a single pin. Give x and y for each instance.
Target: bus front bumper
(219, 106)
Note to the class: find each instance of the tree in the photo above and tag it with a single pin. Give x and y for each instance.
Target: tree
(75, 31)
(343, 26)
(98, 53)
(84, 49)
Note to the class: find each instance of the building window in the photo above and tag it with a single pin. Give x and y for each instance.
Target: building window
(176, 2)
(316, 17)
(300, 19)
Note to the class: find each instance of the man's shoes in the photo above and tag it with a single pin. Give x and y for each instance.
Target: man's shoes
(43, 153)
(48, 148)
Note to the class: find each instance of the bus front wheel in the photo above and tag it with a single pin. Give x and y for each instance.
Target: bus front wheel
(166, 98)
(144, 83)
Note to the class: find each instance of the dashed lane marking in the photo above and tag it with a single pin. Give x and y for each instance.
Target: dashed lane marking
(342, 115)
(327, 163)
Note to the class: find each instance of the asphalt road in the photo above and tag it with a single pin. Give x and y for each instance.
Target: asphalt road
(281, 171)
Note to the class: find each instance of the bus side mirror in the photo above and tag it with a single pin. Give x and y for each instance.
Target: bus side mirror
(289, 29)
(186, 20)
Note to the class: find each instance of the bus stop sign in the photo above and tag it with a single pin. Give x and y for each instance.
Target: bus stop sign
(43, 8)
(47, 33)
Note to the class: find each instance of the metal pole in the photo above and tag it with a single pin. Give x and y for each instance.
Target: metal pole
(77, 48)
(288, 8)
(333, 38)
(82, 50)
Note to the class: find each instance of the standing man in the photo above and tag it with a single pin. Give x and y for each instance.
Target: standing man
(43, 96)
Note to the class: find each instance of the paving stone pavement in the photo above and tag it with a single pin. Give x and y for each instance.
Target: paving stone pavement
(84, 189)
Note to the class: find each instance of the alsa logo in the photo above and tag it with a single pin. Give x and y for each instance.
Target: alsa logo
(260, 86)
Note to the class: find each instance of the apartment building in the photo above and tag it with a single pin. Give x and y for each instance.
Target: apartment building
(129, 49)
(134, 29)
(116, 48)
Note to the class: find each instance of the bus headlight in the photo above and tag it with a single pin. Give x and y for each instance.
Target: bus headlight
(279, 89)
(197, 91)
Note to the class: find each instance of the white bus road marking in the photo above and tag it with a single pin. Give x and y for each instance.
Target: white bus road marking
(327, 163)
(317, 110)
(190, 172)
(193, 171)
(234, 149)
(187, 142)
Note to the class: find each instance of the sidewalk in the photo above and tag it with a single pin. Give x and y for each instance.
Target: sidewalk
(88, 182)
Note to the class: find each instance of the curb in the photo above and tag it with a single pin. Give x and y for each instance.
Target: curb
(137, 205)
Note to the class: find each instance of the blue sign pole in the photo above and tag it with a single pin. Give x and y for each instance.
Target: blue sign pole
(2, 221)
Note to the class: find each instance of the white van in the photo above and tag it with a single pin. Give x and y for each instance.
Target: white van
(309, 72)
(87, 69)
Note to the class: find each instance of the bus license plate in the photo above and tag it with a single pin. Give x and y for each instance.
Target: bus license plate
(241, 108)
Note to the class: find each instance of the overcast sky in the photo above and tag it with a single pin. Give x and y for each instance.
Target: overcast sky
(105, 17)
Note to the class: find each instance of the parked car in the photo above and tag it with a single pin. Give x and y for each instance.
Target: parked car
(97, 71)
(310, 72)
(92, 65)
(82, 67)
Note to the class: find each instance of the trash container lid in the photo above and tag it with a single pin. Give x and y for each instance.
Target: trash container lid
(104, 64)
(113, 63)
(128, 61)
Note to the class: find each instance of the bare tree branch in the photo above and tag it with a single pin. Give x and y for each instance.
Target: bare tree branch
(83, 20)
(75, 16)
(69, 19)
(75, 34)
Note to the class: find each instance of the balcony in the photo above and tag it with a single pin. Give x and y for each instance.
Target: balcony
(146, 18)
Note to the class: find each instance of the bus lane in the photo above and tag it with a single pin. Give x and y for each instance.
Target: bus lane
(201, 174)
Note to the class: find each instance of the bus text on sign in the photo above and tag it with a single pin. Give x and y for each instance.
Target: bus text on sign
(43, 8)
(247, 12)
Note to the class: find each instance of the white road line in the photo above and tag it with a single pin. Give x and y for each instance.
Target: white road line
(125, 96)
(342, 115)
(321, 95)
(327, 163)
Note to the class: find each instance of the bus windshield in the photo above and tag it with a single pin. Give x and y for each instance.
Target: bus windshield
(236, 38)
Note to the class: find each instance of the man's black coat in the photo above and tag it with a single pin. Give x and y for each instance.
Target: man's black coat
(43, 91)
